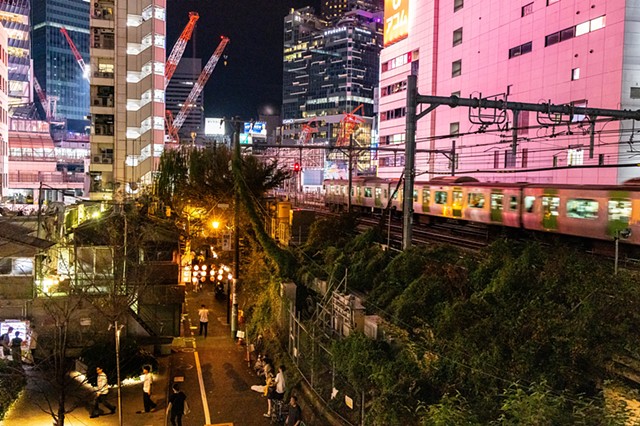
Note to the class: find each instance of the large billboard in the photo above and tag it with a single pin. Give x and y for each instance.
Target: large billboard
(214, 127)
(396, 20)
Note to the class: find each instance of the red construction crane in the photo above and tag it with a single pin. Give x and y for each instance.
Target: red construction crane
(348, 125)
(76, 53)
(49, 103)
(197, 88)
(306, 132)
(171, 130)
(178, 48)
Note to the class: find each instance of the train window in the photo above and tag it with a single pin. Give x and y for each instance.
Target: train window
(385, 194)
(550, 205)
(619, 210)
(582, 209)
(378, 192)
(513, 203)
(496, 201)
(476, 200)
(426, 195)
(441, 197)
(457, 199)
(415, 195)
(529, 202)
(367, 192)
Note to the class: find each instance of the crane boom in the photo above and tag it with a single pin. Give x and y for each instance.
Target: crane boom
(178, 48)
(197, 88)
(76, 53)
(46, 105)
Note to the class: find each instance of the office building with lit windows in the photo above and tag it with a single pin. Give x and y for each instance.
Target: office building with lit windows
(127, 49)
(330, 69)
(54, 64)
(335, 9)
(14, 16)
(560, 51)
(4, 112)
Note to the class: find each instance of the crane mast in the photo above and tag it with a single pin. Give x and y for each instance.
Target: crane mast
(178, 48)
(46, 105)
(198, 86)
(76, 53)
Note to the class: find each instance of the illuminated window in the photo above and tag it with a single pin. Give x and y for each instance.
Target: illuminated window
(441, 197)
(575, 74)
(513, 203)
(578, 208)
(575, 157)
(367, 192)
(475, 200)
(550, 205)
(496, 201)
(619, 210)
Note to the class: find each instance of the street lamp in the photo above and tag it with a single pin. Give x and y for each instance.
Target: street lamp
(619, 233)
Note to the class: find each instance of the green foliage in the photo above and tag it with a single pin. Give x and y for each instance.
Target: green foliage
(328, 232)
(12, 381)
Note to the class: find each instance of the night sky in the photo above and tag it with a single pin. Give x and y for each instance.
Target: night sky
(252, 77)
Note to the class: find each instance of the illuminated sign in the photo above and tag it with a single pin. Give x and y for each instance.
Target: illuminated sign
(214, 127)
(257, 128)
(396, 20)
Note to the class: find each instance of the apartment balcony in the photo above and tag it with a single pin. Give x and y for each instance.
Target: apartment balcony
(33, 179)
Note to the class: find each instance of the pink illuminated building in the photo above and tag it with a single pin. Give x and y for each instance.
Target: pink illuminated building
(576, 52)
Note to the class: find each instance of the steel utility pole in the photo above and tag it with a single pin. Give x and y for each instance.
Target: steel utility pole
(236, 235)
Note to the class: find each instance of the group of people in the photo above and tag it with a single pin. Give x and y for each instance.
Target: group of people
(176, 406)
(274, 388)
(12, 346)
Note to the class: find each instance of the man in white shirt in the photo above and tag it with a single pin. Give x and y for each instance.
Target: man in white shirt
(203, 312)
(102, 389)
(147, 380)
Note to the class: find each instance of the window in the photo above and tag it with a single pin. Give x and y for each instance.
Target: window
(5, 266)
(426, 195)
(577, 118)
(634, 93)
(575, 74)
(523, 123)
(458, 93)
(456, 68)
(529, 202)
(496, 159)
(415, 195)
(525, 157)
(578, 208)
(496, 201)
(367, 192)
(557, 37)
(457, 37)
(513, 203)
(509, 159)
(454, 128)
(520, 50)
(457, 5)
(589, 26)
(475, 200)
(575, 157)
(527, 9)
(550, 205)
(441, 197)
(550, 2)
(619, 210)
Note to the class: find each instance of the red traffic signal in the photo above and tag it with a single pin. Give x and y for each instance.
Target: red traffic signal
(296, 167)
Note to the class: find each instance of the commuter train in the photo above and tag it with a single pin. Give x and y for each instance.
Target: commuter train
(603, 212)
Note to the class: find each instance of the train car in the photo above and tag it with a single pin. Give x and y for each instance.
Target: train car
(335, 192)
(599, 212)
(443, 197)
(375, 193)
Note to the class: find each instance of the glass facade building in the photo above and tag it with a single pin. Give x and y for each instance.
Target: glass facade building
(54, 63)
(14, 16)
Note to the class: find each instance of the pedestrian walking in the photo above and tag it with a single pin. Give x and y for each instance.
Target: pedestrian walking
(5, 340)
(294, 418)
(16, 348)
(177, 405)
(147, 381)
(203, 312)
(102, 389)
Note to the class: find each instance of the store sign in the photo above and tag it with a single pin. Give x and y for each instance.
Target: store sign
(214, 126)
(256, 128)
(396, 20)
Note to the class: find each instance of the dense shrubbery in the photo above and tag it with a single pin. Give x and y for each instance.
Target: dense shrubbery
(12, 381)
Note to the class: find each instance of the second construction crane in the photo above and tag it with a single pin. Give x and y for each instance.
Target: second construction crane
(76, 54)
(175, 125)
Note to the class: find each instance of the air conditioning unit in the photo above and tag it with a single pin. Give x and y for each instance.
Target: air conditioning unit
(107, 160)
(97, 158)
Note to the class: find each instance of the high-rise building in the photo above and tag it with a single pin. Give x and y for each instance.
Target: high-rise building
(183, 80)
(330, 69)
(14, 16)
(4, 112)
(54, 64)
(335, 9)
(127, 95)
(559, 51)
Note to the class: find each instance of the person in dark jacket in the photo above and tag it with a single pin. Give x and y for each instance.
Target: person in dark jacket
(176, 405)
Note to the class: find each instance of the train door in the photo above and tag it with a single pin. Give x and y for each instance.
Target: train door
(496, 206)
(619, 213)
(426, 195)
(456, 204)
(377, 196)
(550, 210)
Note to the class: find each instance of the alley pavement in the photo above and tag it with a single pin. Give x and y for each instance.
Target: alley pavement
(213, 372)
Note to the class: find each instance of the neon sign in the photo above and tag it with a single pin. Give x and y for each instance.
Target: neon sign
(396, 20)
